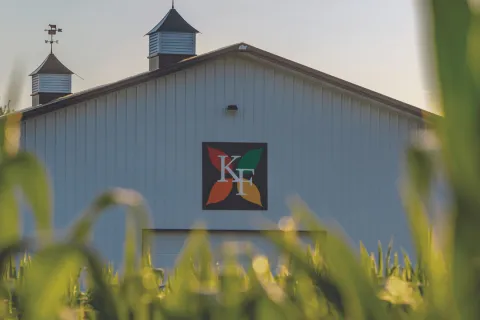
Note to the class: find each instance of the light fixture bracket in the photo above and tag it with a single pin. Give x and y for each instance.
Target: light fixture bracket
(232, 108)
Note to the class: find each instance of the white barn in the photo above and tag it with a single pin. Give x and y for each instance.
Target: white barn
(186, 131)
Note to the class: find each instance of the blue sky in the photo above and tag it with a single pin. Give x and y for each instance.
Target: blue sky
(375, 44)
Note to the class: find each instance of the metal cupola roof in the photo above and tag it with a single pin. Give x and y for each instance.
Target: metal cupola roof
(51, 65)
(173, 22)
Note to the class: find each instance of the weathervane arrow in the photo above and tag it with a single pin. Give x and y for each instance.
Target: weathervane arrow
(51, 33)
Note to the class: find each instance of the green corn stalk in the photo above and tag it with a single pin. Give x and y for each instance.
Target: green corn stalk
(396, 268)
(380, 263)
(387, 259)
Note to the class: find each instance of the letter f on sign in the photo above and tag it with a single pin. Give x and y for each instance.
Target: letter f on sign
(241, 181)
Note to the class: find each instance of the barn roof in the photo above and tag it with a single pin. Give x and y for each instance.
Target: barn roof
(51, 65)
(240, 48)
(173, 22)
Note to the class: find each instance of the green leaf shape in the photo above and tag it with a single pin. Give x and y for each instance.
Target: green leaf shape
(356, 295)
(186, 280)
(25, 171)
(250, 160)
(49, 275)
(137, 214)
(9, 217)
(455, 30)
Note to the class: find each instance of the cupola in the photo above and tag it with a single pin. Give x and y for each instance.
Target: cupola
(51, 80)
(171, 40)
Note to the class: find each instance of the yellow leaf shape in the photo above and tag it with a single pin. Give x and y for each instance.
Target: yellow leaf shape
(251, 192)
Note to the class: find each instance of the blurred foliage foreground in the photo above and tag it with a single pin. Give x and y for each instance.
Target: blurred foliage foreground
(329, 282)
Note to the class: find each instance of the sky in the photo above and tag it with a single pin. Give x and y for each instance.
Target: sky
(372, 43)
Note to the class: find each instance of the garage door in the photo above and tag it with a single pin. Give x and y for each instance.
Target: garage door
(166, 245)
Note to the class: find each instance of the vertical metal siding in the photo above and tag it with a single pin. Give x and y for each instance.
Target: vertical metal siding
(342, 154)
(55, 83)
(177, 43)
(153, 43)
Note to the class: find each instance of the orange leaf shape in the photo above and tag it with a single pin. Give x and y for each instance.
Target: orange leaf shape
(251, 192)
(220, 191)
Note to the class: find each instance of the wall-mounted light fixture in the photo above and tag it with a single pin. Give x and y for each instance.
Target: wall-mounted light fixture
(232, 108)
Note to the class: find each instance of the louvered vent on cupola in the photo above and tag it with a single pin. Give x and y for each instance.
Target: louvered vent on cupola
(154, 43)
(50, 81)
(54, 83)
(171, 40)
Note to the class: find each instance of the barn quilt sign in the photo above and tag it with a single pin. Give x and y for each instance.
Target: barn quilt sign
(234, 176)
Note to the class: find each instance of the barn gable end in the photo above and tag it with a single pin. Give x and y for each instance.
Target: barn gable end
(340, 151)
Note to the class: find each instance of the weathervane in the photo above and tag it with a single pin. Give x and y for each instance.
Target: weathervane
(52, 32)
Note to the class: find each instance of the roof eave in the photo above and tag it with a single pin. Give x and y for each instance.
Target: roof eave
(159, 29)
(35, 73)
